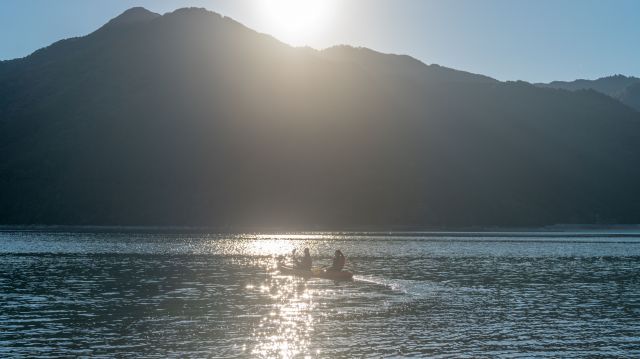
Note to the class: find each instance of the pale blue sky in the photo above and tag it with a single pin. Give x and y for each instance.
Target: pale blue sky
(538, 40)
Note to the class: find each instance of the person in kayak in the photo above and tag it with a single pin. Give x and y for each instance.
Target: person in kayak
(305, 263)
(338, 262)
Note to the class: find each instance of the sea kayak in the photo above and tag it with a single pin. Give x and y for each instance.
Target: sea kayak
(342, 275)
(316, 273)
(286, 270)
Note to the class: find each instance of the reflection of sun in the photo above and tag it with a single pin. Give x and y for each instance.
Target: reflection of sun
(269, 247)
(297, 21)
(287, 324)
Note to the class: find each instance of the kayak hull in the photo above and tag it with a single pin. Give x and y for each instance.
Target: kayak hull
(316, 273)
(333, 275)
(286, 270)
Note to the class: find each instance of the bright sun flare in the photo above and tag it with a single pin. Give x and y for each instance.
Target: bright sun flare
(297, 22)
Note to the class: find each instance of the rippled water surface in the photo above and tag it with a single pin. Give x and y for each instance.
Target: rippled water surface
(414, 294)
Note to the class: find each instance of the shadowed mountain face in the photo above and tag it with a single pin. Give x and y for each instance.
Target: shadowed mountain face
(191, 118)
(623, 88)
(631, 95)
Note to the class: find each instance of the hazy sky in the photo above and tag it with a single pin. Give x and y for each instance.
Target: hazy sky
(538, 40)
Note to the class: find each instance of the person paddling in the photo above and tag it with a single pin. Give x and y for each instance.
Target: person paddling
(338, 262)
(305, 263)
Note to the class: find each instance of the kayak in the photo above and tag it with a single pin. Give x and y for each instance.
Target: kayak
(342, 275)
(316, 273)
(294, 271)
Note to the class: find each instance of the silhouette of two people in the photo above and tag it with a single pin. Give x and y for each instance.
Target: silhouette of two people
(306, 262)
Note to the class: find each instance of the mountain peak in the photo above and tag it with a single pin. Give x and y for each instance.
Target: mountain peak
(193, 10)
(132, 16)
(620, 87)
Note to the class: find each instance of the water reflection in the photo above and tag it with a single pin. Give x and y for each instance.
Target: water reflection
(128, 295)
(286, 329)
(266, 247)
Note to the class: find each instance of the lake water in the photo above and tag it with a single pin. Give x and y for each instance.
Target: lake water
(414, 294)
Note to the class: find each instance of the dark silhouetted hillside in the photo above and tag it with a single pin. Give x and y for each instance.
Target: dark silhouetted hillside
(190, 118)
(619, 87)
(631, 95)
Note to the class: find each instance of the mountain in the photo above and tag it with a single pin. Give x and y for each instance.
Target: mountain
(401, 65)
(191, 118)
(135, 15)
(619, 87)
(631, 95)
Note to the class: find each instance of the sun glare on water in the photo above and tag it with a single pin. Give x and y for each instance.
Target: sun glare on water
(297, 22)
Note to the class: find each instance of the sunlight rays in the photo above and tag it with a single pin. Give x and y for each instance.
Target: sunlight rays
(296, 22)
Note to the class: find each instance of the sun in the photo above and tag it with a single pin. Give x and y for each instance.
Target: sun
(297, 22)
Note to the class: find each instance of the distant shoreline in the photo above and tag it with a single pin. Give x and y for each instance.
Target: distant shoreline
(567, 229)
